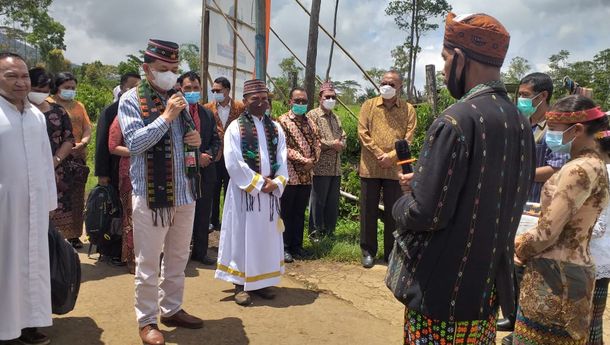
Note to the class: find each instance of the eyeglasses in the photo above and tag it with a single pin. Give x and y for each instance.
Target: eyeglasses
(330, 97)
(299, 101)
(386, 83)
(216, 91)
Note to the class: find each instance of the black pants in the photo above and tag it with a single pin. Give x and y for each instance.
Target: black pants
(294, 202)
(222, 182)
(370, 193)
(519, 271)
(201, 224)
(324, 204)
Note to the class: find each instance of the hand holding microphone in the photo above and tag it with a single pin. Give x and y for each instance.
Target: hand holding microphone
(403, 153)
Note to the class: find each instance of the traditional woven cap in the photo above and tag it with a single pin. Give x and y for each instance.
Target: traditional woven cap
(327, 86)
(254, 86)
(482, 37)
(575, 116)
(163, 50)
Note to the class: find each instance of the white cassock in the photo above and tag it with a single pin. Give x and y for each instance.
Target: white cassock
(251, 250)
(27, 195)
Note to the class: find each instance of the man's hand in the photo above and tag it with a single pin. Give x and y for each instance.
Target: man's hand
(269, 186)
(103, 180)
(205, 160)
(77, 148)
(175, 105)
(309, 165)
(405, 182)
(337, 145)
(518, 261)
(193, 139)
(385, 161)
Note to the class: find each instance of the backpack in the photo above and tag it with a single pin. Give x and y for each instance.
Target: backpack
(65, 273)
(103, 216)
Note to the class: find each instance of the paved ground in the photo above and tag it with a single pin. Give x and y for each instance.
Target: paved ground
(318, 303)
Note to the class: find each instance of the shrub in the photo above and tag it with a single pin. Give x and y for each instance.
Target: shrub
(94, 98)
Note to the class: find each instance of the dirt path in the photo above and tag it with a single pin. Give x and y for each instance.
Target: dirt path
(318, 303)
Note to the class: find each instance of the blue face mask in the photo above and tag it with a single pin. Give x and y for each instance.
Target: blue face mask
(192, 97)
(67, 95)
(554, 140)
(299, 109)
(218, 97)
(526, 106)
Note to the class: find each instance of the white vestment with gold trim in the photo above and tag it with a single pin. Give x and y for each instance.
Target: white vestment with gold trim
(251, 250)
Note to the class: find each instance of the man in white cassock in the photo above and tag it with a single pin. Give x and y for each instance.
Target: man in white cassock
(27, 195)
(251, 251)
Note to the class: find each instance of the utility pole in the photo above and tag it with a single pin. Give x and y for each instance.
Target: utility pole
(312, 53)
(261, 22)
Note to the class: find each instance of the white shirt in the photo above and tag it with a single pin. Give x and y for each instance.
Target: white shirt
(223, 113)
(27, 194)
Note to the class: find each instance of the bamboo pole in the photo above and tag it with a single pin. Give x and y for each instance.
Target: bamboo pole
(342, 48)
(303, 64)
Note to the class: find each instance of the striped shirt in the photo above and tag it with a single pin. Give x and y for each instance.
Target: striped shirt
(139, 138)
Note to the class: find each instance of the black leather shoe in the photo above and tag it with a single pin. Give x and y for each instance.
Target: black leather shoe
(368, 261)
(508, 340)
(505, 325)
(206, 260)
(288, 258)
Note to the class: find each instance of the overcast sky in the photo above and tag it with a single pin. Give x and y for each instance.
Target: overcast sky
(110, 29)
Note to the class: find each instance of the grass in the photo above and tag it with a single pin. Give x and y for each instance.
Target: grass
(92, 179)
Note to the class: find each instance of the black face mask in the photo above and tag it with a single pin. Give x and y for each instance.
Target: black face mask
(258, 108)
(457, 88)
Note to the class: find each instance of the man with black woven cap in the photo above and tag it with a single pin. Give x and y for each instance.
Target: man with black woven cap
(165, 176)
(453, 259)
(251, 250)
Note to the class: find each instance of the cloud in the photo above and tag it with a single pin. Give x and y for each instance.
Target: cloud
(109, 30)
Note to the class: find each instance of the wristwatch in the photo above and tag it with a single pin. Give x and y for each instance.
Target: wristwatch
(57, 159)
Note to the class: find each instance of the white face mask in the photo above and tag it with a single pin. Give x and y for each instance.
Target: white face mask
(37, 97)
(165, 80)
(329, 104)
(387, 91)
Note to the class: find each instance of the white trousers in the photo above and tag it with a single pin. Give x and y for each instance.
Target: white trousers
(165, 292)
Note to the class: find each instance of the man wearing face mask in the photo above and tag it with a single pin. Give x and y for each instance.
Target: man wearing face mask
(190, 86)
(382, 121)
(303, 153)
(535, 93)
(251, 250)
(160, 136)
(324, 204)
(225, 110)
(452, 265)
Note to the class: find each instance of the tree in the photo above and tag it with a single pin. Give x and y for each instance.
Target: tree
(32, 17)
(56, 62)
(517, 69)
(332, 43)
(283, 83)
(376, 74)
(312, 52)
(348, 90)
(132, 64)
(189, 53)
(416, 18)
(601, 77)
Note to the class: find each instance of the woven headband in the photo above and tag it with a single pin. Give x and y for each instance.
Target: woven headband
(575, 116)
(602, 134)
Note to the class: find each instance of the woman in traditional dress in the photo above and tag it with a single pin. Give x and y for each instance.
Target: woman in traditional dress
(116, 146)
(59, 129)
(600, 251)
(557, 287)
(63, 93)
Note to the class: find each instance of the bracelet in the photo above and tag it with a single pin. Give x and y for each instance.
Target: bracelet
(57, 159)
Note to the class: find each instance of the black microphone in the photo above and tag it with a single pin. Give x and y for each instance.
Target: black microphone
(404, 156)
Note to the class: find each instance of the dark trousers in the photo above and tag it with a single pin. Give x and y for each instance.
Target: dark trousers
(294, 202)
(201, 224)
(324, 204)
(519, 271)
(222, 182)
(370, 193)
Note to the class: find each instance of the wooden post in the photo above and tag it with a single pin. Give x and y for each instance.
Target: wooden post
(312, 53)
(234, 80)
(431, 91)
(294, 79)
(261, 22)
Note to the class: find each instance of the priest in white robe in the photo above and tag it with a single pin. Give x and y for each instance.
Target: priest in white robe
(251, 251)
(27, 195)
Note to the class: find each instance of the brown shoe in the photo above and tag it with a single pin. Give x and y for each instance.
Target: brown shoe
(151, 335)
(182, 319)
(242, 297)
(265, 293)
